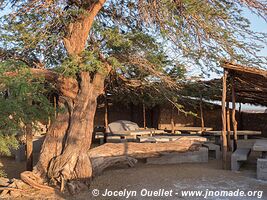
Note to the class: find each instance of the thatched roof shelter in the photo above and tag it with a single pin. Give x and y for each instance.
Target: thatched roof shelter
(250, 85)
(239, 84)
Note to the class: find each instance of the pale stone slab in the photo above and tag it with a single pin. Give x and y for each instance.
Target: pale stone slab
(243, 132)
(186, 157)
(260, 145)
(171, 138)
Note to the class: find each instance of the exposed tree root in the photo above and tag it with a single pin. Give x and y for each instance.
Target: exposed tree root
(34, 181)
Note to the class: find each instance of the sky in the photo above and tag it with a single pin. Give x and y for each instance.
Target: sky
(257, 24)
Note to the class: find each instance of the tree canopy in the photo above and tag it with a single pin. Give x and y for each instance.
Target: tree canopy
(194, 32)
(144, 41)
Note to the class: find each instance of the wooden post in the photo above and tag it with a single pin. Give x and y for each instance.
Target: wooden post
(144, 115)
(159, 117)
(224, 140)
(201, 114)
(29, 147)
(233, 113)
(240, 119)
(228, 127)
(106, 119)
(172, 120)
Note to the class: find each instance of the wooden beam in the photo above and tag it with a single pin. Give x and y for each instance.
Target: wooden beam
(224, 142)
(244, 69)
(109, 154)
(240, 117)
(233, 113)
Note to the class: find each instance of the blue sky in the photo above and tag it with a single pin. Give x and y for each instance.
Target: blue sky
(257, 24)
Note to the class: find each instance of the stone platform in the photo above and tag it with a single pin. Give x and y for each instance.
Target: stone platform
(186, 157)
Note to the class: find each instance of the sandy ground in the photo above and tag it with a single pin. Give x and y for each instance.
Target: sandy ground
(202, 177)
(177, 178)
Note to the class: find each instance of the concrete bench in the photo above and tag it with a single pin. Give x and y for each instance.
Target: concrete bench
(262, 169)
(238, 157)
(213, 149)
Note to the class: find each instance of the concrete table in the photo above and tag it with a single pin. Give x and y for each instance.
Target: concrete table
(244, 133)
(261, 146)
(136, 133)
(192, 129)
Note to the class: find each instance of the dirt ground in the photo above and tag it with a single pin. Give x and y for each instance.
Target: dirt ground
(203, 177)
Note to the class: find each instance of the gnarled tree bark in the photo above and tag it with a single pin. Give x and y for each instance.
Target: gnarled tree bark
(64, 151)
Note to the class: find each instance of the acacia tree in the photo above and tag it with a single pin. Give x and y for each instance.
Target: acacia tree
(77, 44)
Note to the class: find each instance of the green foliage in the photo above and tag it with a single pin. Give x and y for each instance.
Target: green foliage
(88, 61)
(23, 100)
(2, 173)
(7, 141)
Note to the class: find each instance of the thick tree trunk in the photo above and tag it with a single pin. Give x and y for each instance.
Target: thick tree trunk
(64, 155)
(70, 164)
(53, 143)
(63, 151)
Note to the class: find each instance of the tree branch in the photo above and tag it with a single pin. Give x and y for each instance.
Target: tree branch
(67, 87)
(33, 62)
(78, 31)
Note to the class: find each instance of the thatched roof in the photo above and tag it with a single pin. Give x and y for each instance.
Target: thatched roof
(250, 85)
